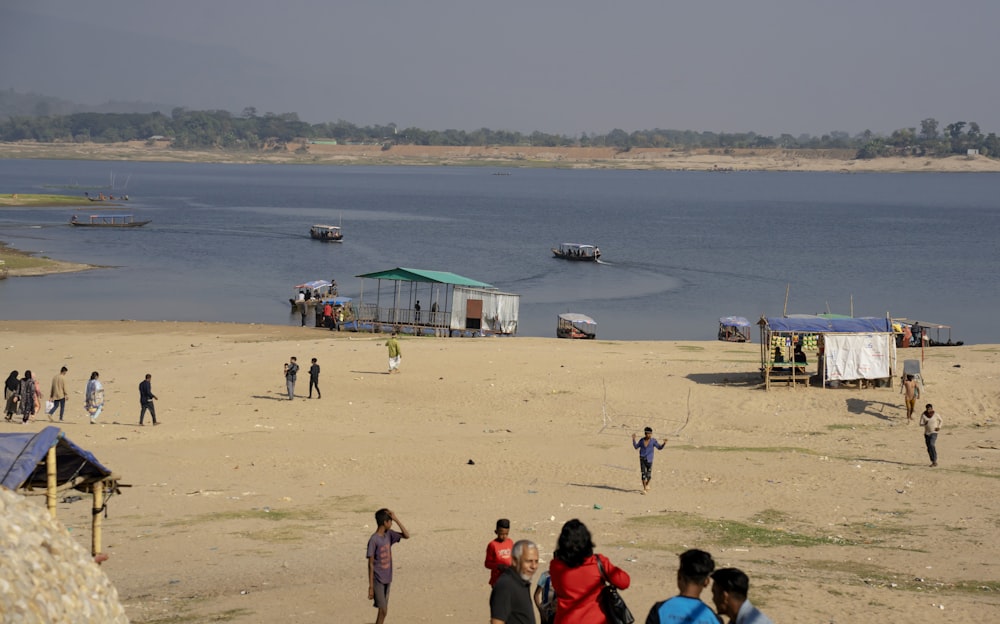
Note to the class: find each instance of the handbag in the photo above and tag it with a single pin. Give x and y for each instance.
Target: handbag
(612, 604)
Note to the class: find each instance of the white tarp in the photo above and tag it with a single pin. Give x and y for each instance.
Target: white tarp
(859, 356)
(500, 310)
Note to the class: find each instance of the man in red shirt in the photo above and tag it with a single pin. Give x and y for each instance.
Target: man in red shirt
(498, 551)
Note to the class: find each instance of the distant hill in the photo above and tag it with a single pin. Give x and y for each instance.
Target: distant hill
(14, 104)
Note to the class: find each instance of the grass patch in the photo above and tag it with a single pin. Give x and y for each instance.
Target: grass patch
(728, 533)
(274, 515)
(42, 200)
(222, 616)
(690, 348)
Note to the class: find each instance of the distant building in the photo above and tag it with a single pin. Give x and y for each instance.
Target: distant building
(972, 152)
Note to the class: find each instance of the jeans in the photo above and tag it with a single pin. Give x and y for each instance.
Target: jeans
(152, 412)
(61, 404)
(290, 385)
(930, 439)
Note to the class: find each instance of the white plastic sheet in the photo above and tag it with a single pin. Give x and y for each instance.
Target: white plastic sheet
(859, 356)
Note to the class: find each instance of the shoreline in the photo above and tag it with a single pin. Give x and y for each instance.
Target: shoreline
(514, 157)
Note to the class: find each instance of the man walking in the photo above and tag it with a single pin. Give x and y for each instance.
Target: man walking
(395, 355)
(646, 447)
(510, 600)
(911, 392)
(931, 422)
(57, 394)
(146, 398)
(291, 373)
(729, 593)
(380, 560)
(314, 379)
(687, 607)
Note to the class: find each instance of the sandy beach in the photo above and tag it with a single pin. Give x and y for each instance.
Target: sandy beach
(303, 152)
(247, 507)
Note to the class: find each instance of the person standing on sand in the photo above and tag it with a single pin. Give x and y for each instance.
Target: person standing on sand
(931, 422)
(510, 600)
(10, 388)
(291, 374)
(57, 393)
(27, 397)
(498, 551)
(314, 379)
(646, 447)
(416, 311)
(395, 355)
(146, 398)
(380, 560)
(95, 397)
(911, 392)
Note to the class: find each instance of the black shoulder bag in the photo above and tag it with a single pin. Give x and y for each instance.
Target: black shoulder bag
(611, 601)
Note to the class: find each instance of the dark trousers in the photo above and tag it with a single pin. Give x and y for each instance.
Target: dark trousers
(61, 404)
(930, 439)
(152, 412)
(314, 383)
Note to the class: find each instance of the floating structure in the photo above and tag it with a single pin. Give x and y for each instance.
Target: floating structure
(436, 303)
(326, 233)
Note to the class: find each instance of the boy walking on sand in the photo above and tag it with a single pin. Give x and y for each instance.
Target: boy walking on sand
(380, 560)
(314, 379)
(395, 355)
(646, 447)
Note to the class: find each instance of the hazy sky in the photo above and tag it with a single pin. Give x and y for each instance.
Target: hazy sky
(561, 66)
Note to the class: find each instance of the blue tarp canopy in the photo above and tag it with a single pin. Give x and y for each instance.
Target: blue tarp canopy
(818, 325)
(734, 321)
(22, 461)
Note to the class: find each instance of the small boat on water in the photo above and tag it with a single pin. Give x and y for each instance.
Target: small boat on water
(108, 221)
(326, 233)
(574, 325)
(576, 251)
(309, 294)
(734, 329)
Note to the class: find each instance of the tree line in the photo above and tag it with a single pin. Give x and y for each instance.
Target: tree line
(189, 129)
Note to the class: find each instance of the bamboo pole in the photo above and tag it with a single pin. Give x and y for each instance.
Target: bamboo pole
(95, 527)
(50, 489)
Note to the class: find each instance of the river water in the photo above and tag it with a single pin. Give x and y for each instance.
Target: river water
(680, 249)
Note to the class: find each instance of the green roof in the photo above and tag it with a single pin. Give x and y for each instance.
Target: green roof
(400, 274)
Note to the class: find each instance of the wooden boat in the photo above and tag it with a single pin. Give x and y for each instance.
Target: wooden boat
(108, 221)
(326, 233)
(574, 325)
(576, 251)
(734, 329)
(311, 293)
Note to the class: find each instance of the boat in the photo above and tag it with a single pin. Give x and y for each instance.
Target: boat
(311, 293)
(576, 251)
(326, 233)
(734, 329)
(574, 325)
(108, 221)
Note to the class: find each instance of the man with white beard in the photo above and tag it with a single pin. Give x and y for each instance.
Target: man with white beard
(510, 600)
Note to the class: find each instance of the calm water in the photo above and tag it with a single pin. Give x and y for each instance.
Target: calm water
(227, 242)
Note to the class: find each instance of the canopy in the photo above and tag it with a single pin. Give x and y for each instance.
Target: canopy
(22, 460)
(314, 285)
(734, 321)
(401, 274)
(818, 325)
(575, 318)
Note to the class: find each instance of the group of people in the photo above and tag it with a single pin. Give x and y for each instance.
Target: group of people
(292, 374)
(23, 397)
(571, 589)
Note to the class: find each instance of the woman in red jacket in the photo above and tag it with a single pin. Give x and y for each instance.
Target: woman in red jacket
(577, 579)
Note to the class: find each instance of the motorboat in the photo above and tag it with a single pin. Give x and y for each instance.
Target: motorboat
(108, 221)
(577, 251)
(734, 329)
(311, 293)
(575, 325)
(326, 233)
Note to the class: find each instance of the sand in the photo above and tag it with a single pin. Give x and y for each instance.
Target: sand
(247, 507)
(508, 157)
